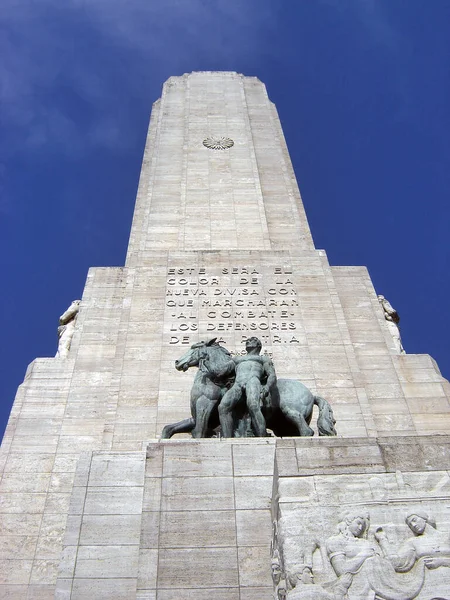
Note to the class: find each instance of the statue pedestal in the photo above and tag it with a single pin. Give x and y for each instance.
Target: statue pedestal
(197, 518)
(187, 518)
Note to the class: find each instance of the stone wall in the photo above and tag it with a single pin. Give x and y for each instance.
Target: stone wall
(220, 247)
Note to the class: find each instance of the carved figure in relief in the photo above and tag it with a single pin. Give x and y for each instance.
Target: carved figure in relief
(276, 568)
(427, 543)
(392, 320)
(281, 591)
(255, 378)
(66, 329)
(286, 405)
(305, 589)
(361, 570)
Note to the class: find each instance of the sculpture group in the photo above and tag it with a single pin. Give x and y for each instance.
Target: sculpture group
(368, 567)
(242, 397)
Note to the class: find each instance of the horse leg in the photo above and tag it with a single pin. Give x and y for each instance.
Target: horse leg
(184, 426)
(296, 417)
(203, 409)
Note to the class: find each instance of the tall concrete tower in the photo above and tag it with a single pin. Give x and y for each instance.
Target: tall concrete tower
(95, 506)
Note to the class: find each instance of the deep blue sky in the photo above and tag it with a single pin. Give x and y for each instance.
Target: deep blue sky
(363, 92)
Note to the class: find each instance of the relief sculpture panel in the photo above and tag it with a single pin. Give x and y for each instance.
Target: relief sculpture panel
(395, 550)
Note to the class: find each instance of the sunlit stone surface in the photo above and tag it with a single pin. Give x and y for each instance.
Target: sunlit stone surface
(94, 506)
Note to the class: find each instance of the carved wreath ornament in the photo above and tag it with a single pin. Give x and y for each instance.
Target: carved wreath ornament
(218, 143)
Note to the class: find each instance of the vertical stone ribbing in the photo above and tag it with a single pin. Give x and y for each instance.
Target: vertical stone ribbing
(219, 247)
(243, 197)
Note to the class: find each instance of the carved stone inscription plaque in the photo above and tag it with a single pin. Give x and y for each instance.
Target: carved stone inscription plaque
(233, 303)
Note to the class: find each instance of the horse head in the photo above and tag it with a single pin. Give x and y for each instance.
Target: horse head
(194, 355)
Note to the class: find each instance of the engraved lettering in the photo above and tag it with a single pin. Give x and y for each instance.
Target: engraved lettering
(183, 316)
(184, 327)
(284, 282)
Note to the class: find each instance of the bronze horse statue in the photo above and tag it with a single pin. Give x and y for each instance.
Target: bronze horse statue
(287, 412)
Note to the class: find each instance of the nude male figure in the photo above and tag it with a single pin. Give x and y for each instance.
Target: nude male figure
(251, 371)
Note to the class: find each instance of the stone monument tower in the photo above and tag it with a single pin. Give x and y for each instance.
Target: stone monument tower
(223, 282)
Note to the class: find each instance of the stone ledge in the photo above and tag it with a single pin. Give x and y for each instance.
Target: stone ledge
(323, 456)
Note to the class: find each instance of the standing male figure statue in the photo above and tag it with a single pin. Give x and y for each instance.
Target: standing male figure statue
(255, 376)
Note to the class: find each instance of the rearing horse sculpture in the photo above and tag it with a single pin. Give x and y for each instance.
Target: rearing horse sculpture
(289, 412)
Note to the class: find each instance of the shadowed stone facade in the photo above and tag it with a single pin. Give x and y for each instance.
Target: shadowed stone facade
(94, 506)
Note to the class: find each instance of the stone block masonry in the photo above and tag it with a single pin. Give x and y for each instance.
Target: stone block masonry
(94, 505)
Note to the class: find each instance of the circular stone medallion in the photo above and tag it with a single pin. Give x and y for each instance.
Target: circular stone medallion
(218, 143)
